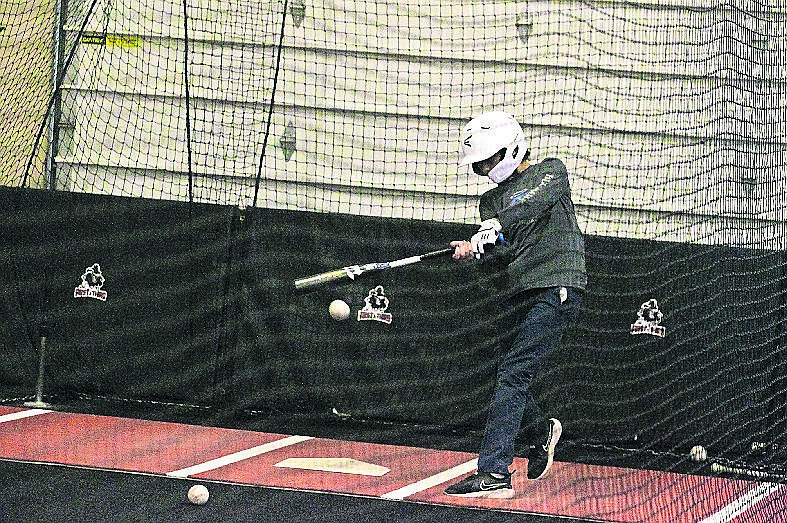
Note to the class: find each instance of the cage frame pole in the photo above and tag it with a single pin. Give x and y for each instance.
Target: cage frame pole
(39, 402)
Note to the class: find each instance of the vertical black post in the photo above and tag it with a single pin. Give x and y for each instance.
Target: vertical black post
(187, 96)
(54, 125)
(270, 105)
(43, 332)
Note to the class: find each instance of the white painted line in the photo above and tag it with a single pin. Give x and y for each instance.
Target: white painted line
(22, 414)
(743, 503)
(238, 456)
(432, 481)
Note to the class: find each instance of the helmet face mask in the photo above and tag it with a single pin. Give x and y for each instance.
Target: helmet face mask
(484, 167)
(485, 137)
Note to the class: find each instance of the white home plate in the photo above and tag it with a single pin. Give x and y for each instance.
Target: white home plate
(343, 465)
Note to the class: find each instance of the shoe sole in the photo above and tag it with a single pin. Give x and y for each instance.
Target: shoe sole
(503, 493)
(557, 430)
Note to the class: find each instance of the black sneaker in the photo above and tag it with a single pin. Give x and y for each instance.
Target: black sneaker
(483, 485)
(540, 457)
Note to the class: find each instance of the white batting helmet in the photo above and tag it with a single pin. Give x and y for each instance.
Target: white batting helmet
(485, 135)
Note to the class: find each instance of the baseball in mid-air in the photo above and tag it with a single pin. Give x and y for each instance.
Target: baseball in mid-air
(339, 310)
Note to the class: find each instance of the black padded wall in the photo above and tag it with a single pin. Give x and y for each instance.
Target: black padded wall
(157, 331)
(200, 308)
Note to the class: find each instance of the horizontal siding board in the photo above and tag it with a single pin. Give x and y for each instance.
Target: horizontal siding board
(707, 40)
(418, 155)
(587, 99)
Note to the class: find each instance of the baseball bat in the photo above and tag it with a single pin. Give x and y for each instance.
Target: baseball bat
(349, 273)
(742, 471)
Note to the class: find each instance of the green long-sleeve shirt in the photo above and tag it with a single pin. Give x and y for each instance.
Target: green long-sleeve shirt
(544, 246)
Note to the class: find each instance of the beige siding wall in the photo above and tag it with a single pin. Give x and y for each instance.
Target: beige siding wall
(669, 130)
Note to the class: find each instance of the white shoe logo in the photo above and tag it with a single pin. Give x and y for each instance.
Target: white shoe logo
(490, 486)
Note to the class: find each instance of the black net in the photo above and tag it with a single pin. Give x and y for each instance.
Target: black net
(670, 118)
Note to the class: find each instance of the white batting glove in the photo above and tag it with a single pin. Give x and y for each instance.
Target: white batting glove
(491, 223)
(487, 234)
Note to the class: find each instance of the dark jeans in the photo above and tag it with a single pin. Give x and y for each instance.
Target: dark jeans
(533, 325)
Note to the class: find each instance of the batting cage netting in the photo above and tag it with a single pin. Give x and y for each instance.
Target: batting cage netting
(205, 154)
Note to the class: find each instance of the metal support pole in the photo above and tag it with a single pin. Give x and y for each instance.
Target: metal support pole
(39, 401)
(56, 114)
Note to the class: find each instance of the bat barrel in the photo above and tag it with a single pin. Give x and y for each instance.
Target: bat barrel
(355, 270)
(305, 283)
(319, 279)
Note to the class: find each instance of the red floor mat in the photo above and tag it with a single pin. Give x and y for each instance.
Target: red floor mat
(572, 490)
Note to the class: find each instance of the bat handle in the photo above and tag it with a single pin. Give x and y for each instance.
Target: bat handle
(435, 254)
